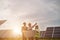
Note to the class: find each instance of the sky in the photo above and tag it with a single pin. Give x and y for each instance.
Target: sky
(45, 12)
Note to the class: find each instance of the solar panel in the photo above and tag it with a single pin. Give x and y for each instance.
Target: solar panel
(49, 32)
(42, 34)
(57, 28)
(2, 21)
(49, 29)
(53, 32)
(56, 35)
(57, 32)
(48, 36)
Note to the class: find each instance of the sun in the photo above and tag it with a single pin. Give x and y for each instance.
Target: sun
(17, 31)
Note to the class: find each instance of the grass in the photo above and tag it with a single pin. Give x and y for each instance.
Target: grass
(21, 38)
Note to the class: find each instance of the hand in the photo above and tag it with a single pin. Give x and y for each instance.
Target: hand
(35, 23)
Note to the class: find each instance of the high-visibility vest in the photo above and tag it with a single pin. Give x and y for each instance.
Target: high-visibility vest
(37, 34)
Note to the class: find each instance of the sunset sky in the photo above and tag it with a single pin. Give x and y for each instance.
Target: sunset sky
(45, 12)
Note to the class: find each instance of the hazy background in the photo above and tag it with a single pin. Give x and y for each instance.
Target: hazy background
(45, 12)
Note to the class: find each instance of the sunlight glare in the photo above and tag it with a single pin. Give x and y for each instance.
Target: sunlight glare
(16, 31)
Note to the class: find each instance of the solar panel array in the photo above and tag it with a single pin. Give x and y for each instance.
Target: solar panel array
(42, 34)
(49, 32)
(2, 21)
(57, 32)
(52, 32)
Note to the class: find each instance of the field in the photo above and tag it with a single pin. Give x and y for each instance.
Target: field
(21, 38)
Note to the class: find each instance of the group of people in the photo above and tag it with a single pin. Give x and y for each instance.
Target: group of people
(30, 28)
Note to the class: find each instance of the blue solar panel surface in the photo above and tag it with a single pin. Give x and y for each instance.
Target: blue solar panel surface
(53, 32)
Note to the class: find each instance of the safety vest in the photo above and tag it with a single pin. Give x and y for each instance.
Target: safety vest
(37, 34)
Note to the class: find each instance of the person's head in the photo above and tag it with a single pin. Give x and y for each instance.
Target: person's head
(29, 24)
(36, 27)
(24, 23)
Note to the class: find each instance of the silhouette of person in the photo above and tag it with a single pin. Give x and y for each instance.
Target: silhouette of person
(30, 28)
(24, 29)
(37, 34)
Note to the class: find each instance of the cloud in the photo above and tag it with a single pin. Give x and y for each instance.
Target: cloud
(44, 12)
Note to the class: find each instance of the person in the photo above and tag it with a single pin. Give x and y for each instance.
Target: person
(24, 29)
(30, 27)
(37, 33)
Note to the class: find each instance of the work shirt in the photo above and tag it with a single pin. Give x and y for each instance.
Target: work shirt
(29, 28)
(24, 29)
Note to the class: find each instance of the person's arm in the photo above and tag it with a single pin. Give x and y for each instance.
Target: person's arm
(34, 25)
